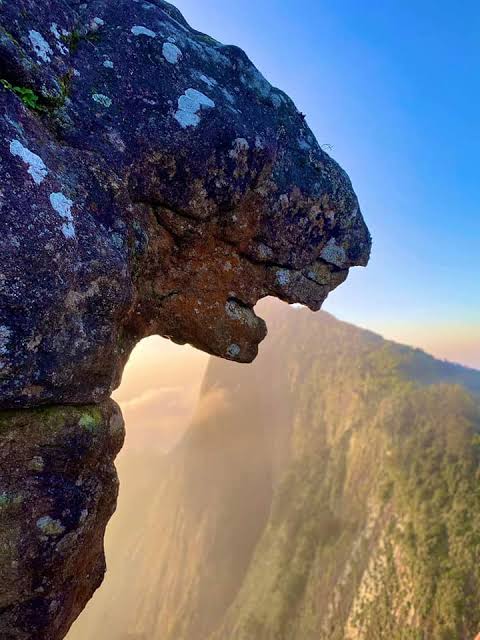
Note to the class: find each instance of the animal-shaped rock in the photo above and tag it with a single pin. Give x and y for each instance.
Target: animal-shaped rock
(151, 182)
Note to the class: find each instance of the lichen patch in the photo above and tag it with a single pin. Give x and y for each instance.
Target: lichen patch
(211, 82)
(36, 167)
(63, 206)
(102, 99)
(233, 350)
(138, 30)
(334, 253)
(189, 105)
(282, 277)
(50, 527)
(5, 334)
(40, 46)
(171, 52)
(58, 37)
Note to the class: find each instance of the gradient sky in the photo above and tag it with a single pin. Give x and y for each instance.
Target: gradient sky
(394, 88)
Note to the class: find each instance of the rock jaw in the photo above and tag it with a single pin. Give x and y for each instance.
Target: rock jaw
(164, 190)
(205, 288)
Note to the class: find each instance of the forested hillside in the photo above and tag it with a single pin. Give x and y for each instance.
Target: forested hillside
(329, 491)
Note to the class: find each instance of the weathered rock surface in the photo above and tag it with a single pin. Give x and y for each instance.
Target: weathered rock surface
(58, 489)
(162, 187)
(151, 181)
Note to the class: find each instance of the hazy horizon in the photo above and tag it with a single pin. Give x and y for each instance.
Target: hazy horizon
(162, 381)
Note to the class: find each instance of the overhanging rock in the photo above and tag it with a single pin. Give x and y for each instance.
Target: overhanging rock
(152, 182)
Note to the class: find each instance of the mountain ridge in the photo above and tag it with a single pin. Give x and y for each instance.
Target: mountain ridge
(326, 491)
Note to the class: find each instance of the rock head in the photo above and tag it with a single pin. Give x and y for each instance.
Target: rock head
(152, 182)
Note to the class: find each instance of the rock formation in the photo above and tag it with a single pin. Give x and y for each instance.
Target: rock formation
(152, 181)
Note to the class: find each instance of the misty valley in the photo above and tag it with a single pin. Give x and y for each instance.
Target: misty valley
(330, 491)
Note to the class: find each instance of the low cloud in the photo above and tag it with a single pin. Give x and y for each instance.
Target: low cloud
(212, 403)
(152, 396)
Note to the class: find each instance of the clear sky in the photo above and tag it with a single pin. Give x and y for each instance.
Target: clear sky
(394, 87)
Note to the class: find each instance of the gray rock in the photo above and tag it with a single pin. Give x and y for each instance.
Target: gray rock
(159, 183)
(58, 489)
(151, 182)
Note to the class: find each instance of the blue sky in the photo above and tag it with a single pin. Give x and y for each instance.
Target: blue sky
(394, 87)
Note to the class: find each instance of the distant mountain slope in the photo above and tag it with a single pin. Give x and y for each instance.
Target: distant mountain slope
(329, 491)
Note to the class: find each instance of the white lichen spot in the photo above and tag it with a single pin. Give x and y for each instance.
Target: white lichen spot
(105, 101)
(50, 527)
(233, 350)
(117, 240)
(40, 46)
(138, 30)
(263, 251)
(240, 145)
(76, 73)
(5, 334)
(108, 64)
(58, 37)
(36, 166)
(334, 253)
(99, 21)
(282, 277)
(232, 310)
(63, 206)
(189, 105)
(211, 82)
(171, 53)
(55, 31)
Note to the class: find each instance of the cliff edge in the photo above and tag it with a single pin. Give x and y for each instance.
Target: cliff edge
(153, 182)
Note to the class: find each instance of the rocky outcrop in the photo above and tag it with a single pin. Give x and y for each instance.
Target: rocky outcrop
(152, 181)
(58, 491)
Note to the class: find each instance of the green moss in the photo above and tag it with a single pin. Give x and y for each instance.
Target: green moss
(91, 420)
(74, 39)
(7, 500)
(28, 96)
(207, 39)
(7, 34)
(4, 500)
(52, 418)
